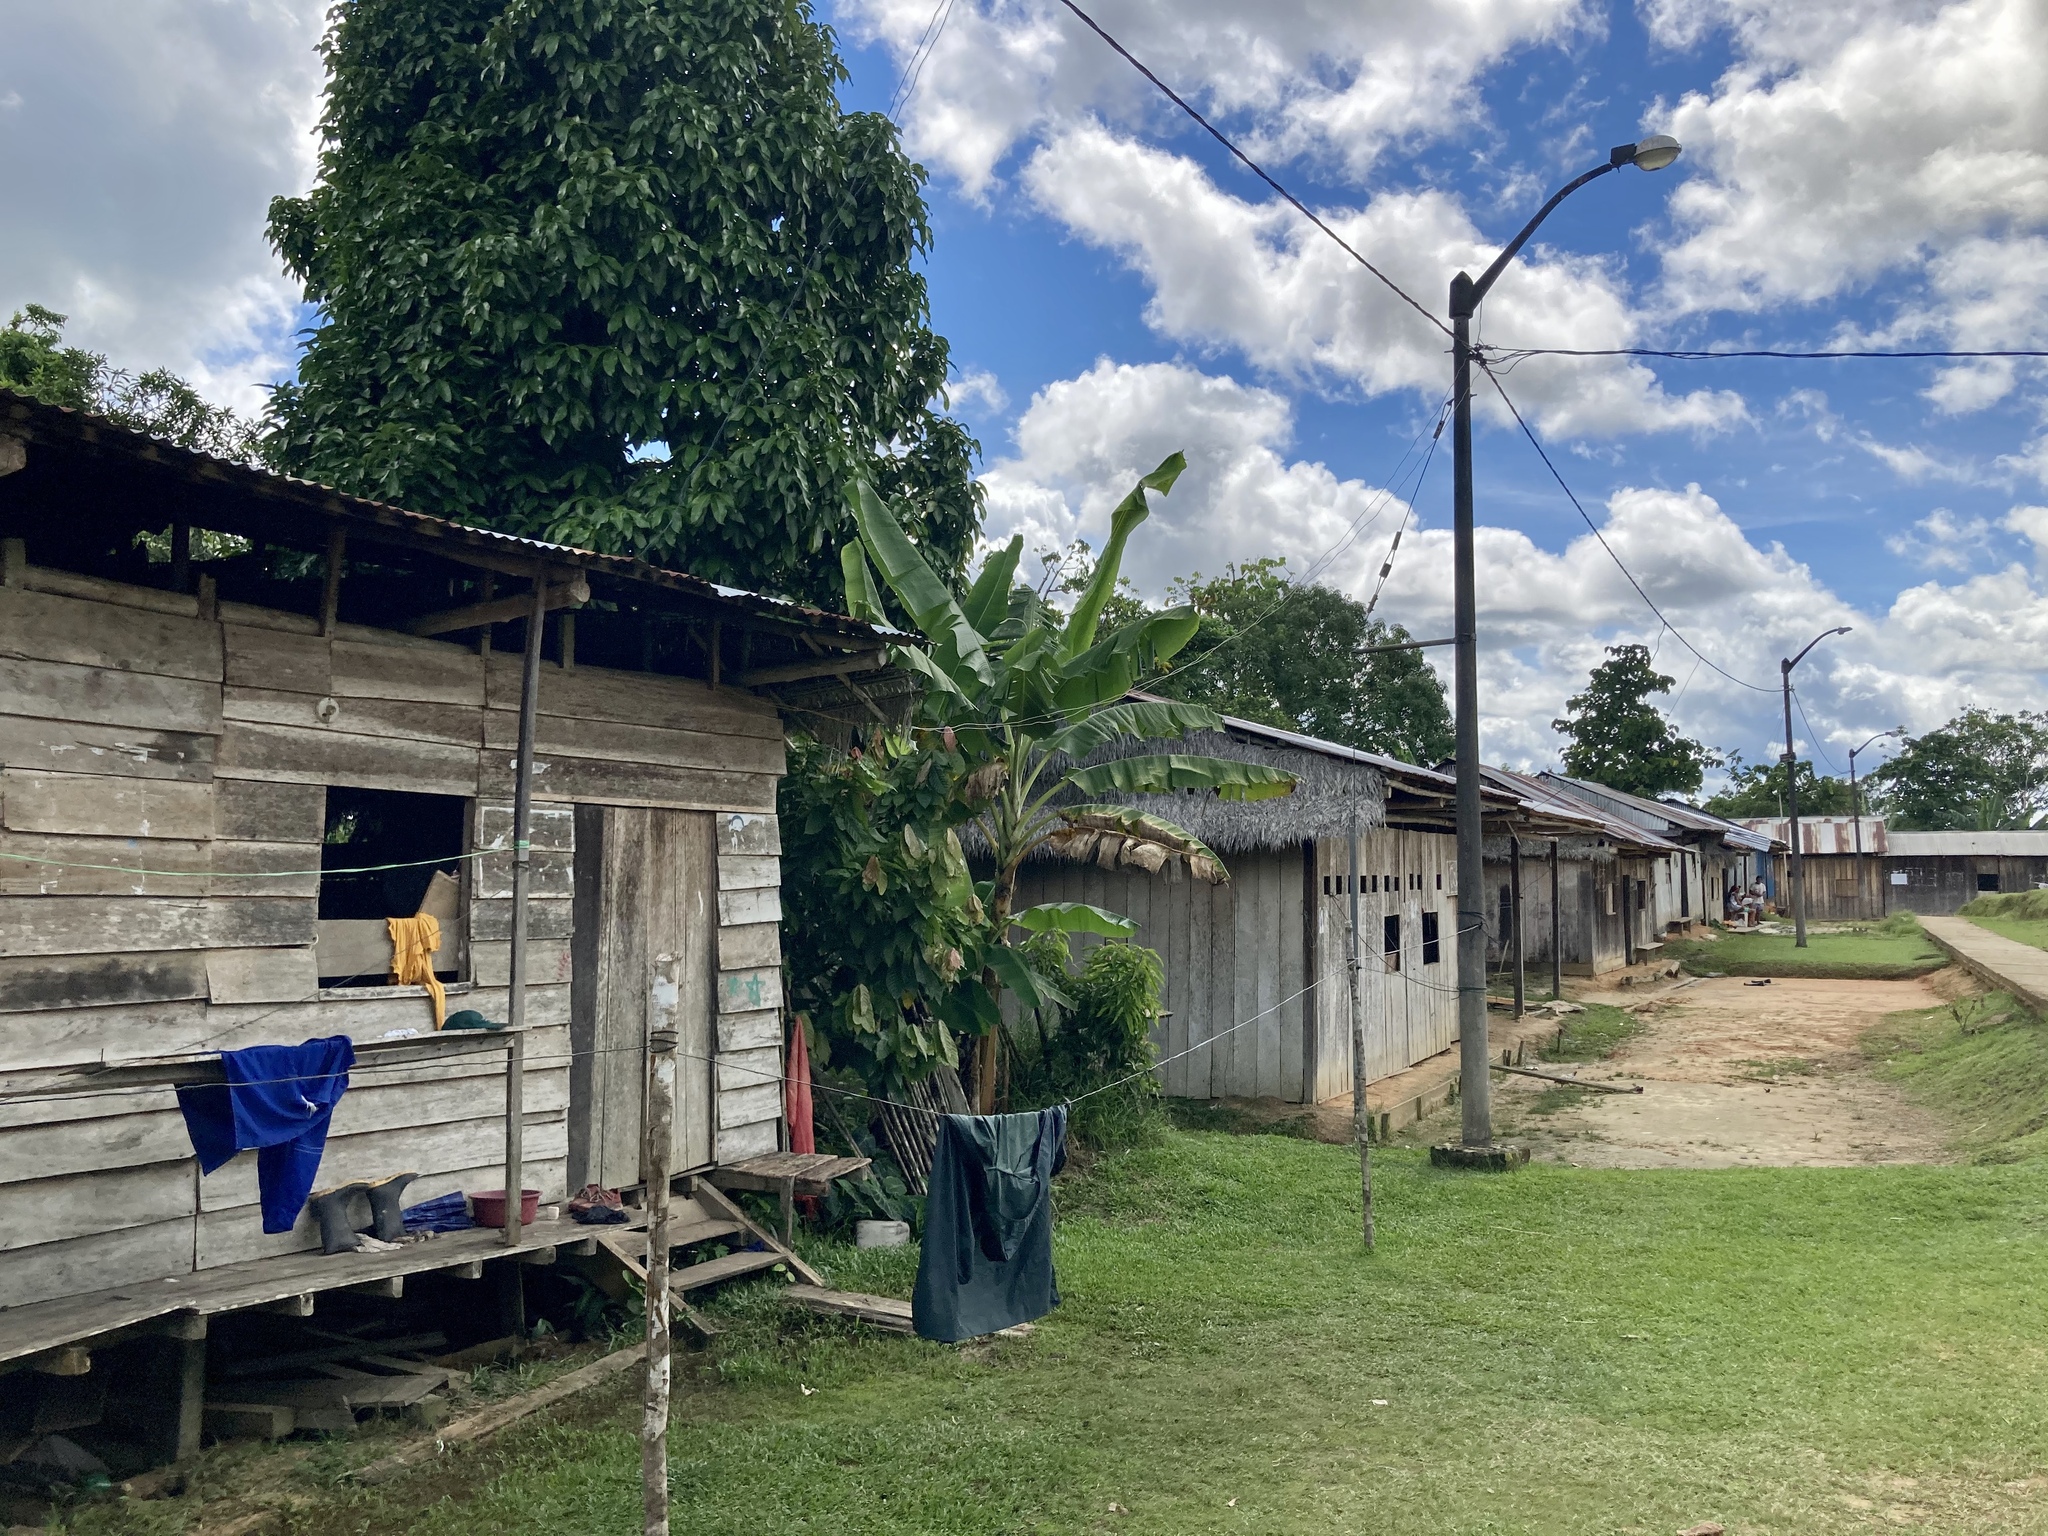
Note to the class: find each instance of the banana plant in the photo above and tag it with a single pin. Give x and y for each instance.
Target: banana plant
(1029, 693)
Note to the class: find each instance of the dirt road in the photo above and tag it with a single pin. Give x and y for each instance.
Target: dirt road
(1737, 1076)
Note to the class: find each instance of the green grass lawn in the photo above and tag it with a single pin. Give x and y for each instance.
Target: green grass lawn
(1559, 1350)
(1892, 950)
(1980, 1062)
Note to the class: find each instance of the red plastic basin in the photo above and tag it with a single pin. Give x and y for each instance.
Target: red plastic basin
(487, 1206)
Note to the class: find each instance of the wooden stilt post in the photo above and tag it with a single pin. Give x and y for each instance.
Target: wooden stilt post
(522, 849)
(1361, 1117)
(1556, 929)
(1515, 920)
(181, 556)
(664, 994)
(330, 590)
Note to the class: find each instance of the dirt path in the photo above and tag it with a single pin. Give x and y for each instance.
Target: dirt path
(1737, 1076)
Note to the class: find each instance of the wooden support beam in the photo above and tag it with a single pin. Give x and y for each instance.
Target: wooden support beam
(823, 666)
(187, 1326)
(472, 1269)
(537, 1256)
(181, 556)
(71, 1360)
(300, 1305)
(502, 610)
(13, 455)
(13, 555)
(565, 637)
(209, 599)
(391, 1287)
(330, 594)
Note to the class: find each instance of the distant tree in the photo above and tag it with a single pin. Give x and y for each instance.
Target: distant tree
(1758, 789)
(1979, 772)
(1297, 655)
(1620, 739)
(34, 361)
(622, 273)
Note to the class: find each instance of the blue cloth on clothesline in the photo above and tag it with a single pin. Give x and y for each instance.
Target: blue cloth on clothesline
(987, 1258)
(277, 1101)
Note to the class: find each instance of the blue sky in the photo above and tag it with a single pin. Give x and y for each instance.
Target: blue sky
(1872, 172)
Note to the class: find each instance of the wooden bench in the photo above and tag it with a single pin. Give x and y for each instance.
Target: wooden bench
(787, 1175)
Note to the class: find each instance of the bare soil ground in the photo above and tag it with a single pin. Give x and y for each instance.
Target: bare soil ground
(1734, 1075)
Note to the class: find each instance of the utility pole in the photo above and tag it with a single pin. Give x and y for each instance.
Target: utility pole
(658, 1151)
(1361, 1114)
(1795, 866)
(1856, 805)
(1474, 1066)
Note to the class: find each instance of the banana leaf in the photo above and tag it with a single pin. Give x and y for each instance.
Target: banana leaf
(956, 645)
(1094, 824)
(863, 598)
(1140, 720)
(1034, 989)
(989, 600)
(1074, 917)
(1131, 511)
(1164, 772)
(1107, 670)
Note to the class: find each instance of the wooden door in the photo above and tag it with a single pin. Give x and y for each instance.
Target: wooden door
(646, 884)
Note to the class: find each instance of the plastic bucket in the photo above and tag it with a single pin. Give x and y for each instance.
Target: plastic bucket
(487, 1206)
(881, 1234)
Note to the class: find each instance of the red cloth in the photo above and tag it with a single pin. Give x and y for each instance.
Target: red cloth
(796, 1092)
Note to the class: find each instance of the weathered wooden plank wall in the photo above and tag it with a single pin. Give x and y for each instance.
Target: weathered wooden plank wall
(137, 733)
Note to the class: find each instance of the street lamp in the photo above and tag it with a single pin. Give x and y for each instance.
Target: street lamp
(1796, 868)
(1475, 1087)
(1856, 798)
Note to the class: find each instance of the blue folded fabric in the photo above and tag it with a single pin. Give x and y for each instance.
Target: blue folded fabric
(443, 1213)
(277, 1101)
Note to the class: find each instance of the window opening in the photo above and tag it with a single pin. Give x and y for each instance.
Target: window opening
(1507, 913)
(1390, 940)
(1432, 944)
(366, 828)
(1987, 882)
(1642, 894)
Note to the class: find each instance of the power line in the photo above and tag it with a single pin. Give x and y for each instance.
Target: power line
(913, 68)
(1252, 165)
(1811, 734)
(1683, 356)
(1676, 633)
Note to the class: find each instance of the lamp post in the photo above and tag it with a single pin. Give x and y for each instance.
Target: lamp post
(1796, 868)
(1475, 1089)
(1856, 798)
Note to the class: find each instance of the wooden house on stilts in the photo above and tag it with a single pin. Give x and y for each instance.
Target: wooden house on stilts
(1257, 998)
(219, 690)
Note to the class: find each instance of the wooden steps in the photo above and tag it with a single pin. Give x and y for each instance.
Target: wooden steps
(884, 1312)
(748, 1261)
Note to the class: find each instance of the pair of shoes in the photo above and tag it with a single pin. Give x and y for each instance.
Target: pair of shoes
(331, 1208)
(596, 1206)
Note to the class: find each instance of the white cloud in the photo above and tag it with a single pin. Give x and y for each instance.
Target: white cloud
(1259, 278)
(977, 384)
(1082, 443)
(137, 163)
(1854, 140)
(1546, 615)
(1339, 80)
(1942, 541)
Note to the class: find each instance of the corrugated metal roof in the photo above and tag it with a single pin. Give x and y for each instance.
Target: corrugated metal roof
(1669, 817)
(1554, 798)
(1937, 845)
(1823, 836)
(62, 429)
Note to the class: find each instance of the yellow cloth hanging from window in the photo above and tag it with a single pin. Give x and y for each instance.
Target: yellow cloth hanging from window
(414, 943)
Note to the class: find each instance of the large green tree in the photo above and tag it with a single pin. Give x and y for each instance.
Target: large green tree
(1758, 789)
(1301, 656)
(34, 361)
(1980, 772)
(1619, 738)
(618, 272)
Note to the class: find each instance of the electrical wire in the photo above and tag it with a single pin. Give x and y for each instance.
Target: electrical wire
(913, 67)
(1676, 633)
(1811, 734)
(1252, 165)
(1680, 355)
(255, 874)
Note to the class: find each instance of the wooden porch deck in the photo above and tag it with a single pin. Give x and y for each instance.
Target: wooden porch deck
(179, 1305)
